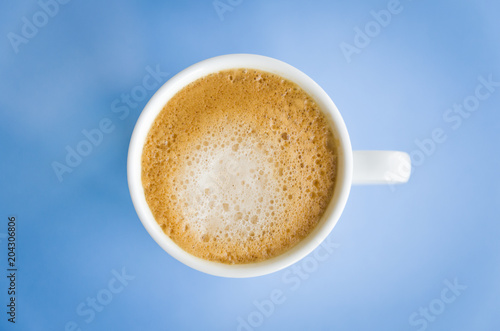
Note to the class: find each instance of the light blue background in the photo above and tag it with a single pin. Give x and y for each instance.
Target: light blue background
(397, 246)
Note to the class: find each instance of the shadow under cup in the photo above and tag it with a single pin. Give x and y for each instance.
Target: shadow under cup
(342, 183)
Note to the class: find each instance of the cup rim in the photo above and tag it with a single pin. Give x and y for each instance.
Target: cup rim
(201, 69)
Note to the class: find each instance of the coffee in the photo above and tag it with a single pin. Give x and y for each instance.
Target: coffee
(239, 166)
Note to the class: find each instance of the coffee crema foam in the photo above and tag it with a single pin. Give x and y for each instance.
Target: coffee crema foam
(239, 166)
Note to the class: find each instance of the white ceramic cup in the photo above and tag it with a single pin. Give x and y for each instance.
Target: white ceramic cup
(360, 167)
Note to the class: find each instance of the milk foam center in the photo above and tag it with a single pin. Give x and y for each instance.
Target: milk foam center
(229, 190)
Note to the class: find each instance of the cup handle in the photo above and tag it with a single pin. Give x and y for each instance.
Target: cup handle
(380, 167)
